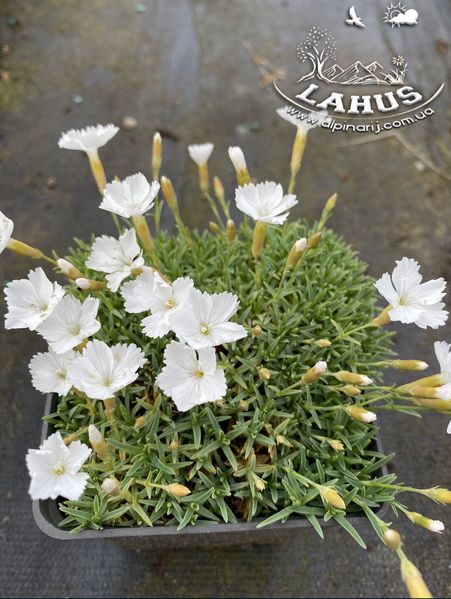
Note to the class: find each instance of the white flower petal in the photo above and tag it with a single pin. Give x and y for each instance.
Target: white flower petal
(70, 323)
(200, 153)
(413, 301)
(133, 196)
(204, 321)
(88, 139)
(138, 294)
(102, 371)
(49, 372)
(190, 379)
(30, 301)
(264, 202)
(156, 325)
(54, 469)
(443, 354)
(6, 230)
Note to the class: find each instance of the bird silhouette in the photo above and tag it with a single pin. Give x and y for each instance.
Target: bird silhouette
(354, 19)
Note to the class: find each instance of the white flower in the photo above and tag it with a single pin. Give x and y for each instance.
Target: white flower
(131, 197)
(191, 379)
(165, 302)
(443, 354)
(237, 157)
(448, 429)
(264, 202)
(30, 301)
(137, 293)
(49, 372)
(70, 323)
(436, 526)
(101, 371)
(118, 258)
(54, 469)
(412, 301)
(200, 153)
(89, 139)
(6, 230)
(204, 322)
(314, 119)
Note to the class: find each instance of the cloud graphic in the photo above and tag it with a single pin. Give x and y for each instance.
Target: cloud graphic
(410, 17)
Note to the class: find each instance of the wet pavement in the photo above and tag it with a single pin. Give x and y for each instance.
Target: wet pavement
(181, 67)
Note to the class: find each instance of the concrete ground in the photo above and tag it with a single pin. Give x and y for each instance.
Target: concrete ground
(181, 67)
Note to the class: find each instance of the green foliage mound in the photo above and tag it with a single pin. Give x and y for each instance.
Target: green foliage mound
(261, 451)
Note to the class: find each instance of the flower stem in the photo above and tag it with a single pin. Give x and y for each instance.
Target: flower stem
(97, 170)
(213, 207)
(356, 330)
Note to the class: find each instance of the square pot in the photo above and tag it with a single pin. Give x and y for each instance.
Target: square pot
(47, 516)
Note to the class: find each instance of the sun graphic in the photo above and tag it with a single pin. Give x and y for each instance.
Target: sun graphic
(393, 10)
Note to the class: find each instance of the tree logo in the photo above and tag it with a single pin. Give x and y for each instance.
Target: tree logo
(320, 51)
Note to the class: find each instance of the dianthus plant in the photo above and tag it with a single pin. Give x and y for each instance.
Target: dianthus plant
(234, 373)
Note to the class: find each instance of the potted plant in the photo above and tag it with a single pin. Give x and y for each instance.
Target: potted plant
(223, 382)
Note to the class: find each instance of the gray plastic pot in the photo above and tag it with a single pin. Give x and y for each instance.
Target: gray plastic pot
(47, 516)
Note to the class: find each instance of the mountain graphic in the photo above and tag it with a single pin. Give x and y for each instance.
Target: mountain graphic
(357, 73)
(332, 71)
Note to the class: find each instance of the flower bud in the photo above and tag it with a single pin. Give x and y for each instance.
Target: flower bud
(89, 284)
(353, 378)
(257, 330)
(69, 269)
(296, 253)
(298, 150)
(243, 405)
(174, 445)
(314, 373)
(314, 240)
(336, 445)
(97, 442)
(169, 193)
(18, 247)
(413, 580)
(230, 231)
(420, 520)
(139, 422)
(332, 498)
(330, 204)
(239, 164)
(322, 342)
(281, 440)
(392, 539)
(176, 489)
(351, 390)
(360, 414)
(157, 151)
(218, 188)
(258, 240)
(408, 365)
(110, 486)
(259, 483)
(264, 373)
(214, 228)
(438, 494)
(443, 392)
(433, 404)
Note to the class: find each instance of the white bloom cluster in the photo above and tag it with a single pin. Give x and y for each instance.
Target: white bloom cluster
(200, 321)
